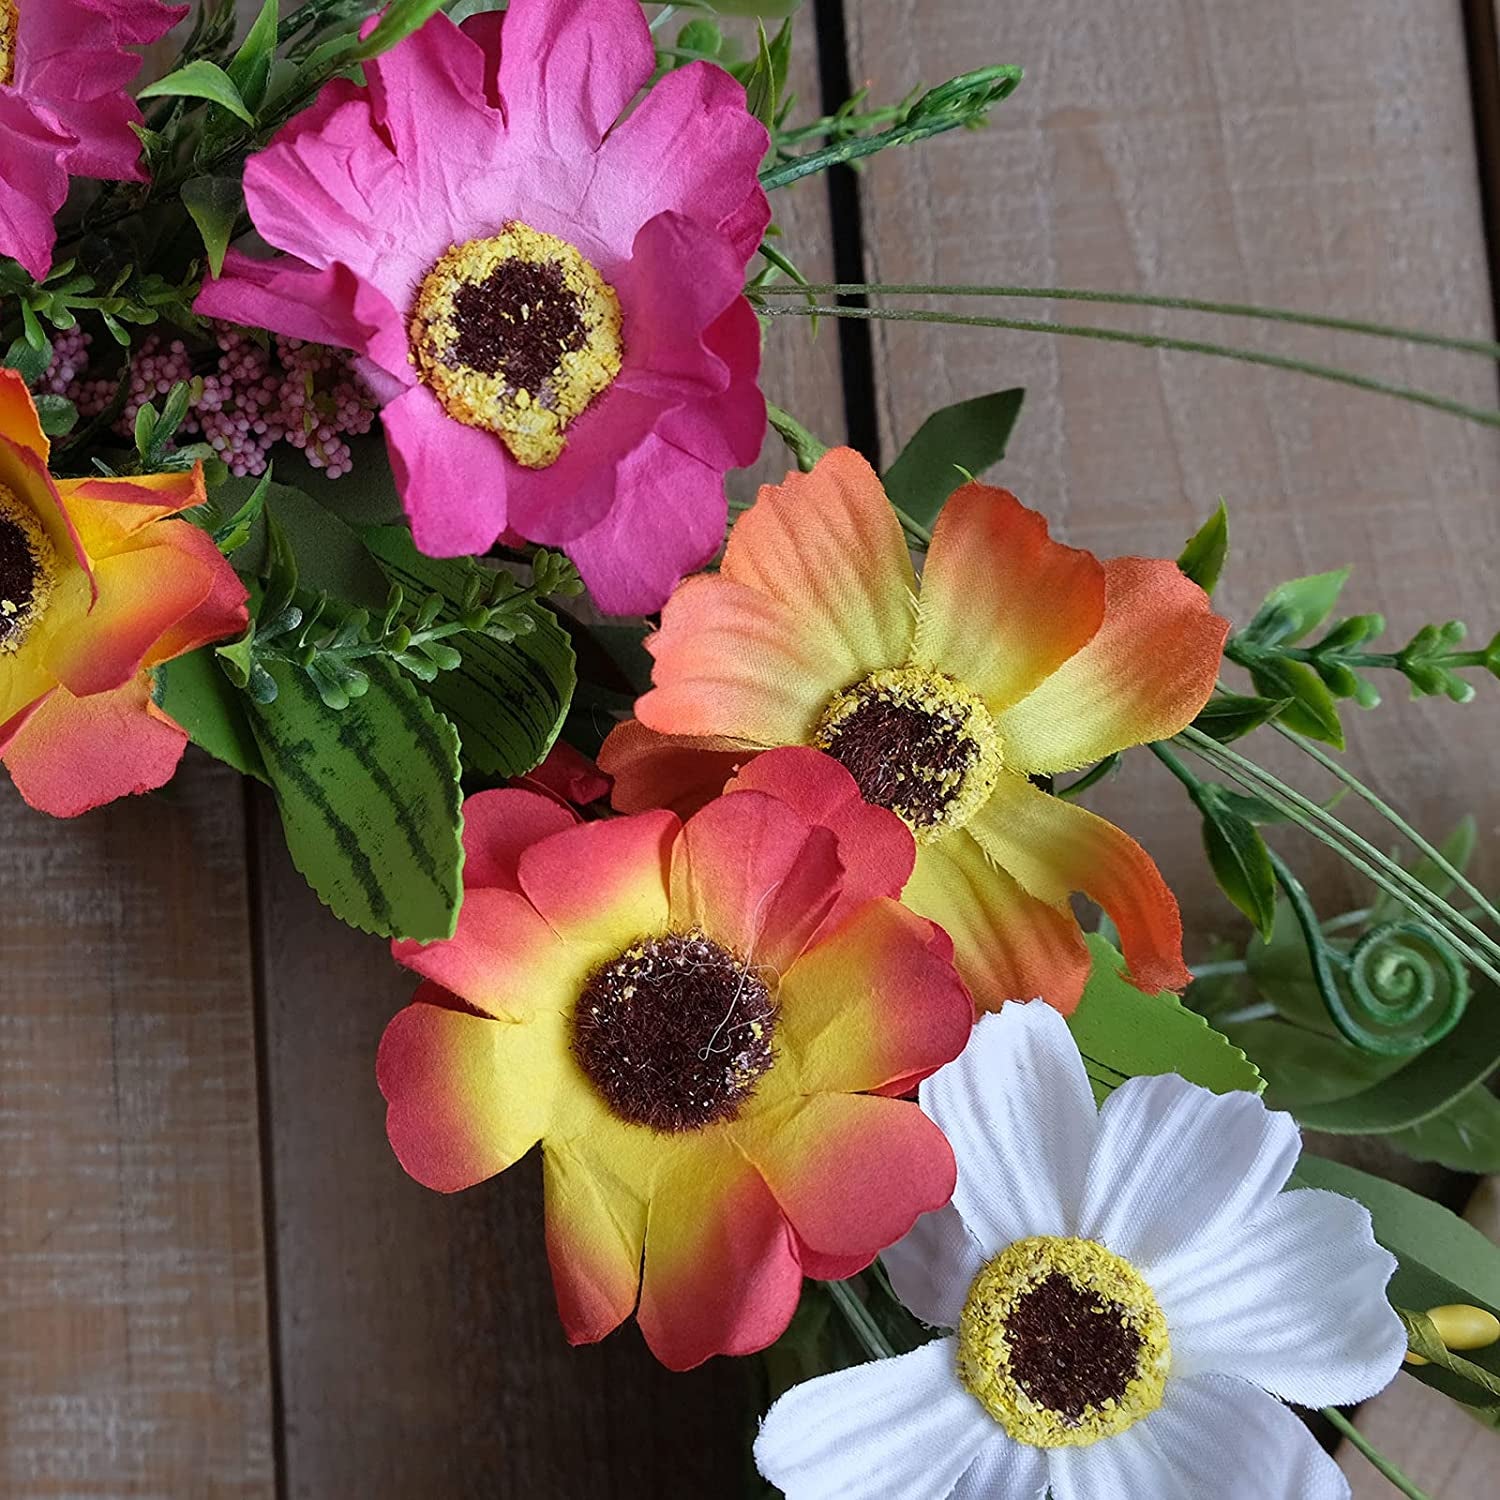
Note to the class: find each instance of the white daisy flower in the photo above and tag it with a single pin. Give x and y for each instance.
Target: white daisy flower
(1131, 1293)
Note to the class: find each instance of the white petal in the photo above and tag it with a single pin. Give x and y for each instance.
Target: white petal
(1017, 1109)
(1114, 1468)
(1175, 1165)
(1224, 1438)
(896, 1429)
(933, 1267)
(1004, 1470)
(1294, 1300)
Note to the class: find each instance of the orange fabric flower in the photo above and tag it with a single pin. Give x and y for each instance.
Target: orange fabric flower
(1019, 658)
(96, 589)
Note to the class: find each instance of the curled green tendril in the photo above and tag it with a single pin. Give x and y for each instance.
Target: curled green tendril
(1387, 995)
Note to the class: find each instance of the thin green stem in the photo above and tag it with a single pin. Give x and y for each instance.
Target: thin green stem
(861, 1324)
(1091, 777)
(1484, 347)
(1386, 811)
(1408, 1487)
(662, 16)
(1219, 968)
(1485, 417)
(916, 533)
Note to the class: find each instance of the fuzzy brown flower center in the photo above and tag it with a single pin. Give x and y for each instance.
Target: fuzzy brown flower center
(9, 21)
(27, 571)
(517, 334)
(675, 1033)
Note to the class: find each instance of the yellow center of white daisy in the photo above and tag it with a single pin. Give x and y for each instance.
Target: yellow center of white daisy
(8, 23)
(28, 570)
(675, 1033)
(918, 742)
(1063, 1343)
(517, 334)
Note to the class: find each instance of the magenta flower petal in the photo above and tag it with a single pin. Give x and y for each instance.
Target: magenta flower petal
(33, 180)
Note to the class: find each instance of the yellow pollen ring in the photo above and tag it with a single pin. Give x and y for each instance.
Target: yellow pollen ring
(985, 1350)
(529, 412)
(947, 702)
(17, 614)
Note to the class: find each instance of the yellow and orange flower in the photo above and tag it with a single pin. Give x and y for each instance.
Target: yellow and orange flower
(96, 589)
(1020, 658)
(703, 1023)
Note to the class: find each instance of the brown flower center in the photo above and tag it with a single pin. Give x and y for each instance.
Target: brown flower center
(27, 571)
(675, 1033)
(9, 21)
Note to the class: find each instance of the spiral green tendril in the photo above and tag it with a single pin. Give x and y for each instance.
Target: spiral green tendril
(1392, 1000)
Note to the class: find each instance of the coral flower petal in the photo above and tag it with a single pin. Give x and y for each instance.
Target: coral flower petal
(1143, 676)
(467, 1096)
(223, 611)
(18, 416)
(852, 1173)
(1054, 847)
(1009, 944)
(876, 1004)
(677, 771)
(1003, 606)
(106, 513)
(499, 826)
(721, 1273)
(72, 755)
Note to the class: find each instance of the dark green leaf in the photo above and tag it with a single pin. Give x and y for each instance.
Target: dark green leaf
(194, 691)
(760, 87)
(952, 444)
(1294, 608)
(1203, 557)
(1237, 855)
(200, 79)
(1464, 1137)
(1229, 716)
(57, 415)
(28, 360)
(369, 799)
(1310, 709)
(215, 204)
(1122, 1032)
(250, 68)
(235, 532)
(1304, 1067)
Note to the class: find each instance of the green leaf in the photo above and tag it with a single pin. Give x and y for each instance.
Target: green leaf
(194, 691)
(701, 35)
(57, 415)
(200, 79)
(1238, 857)
(1464, 1137)
(235, 532)
(250, 68)
(1230, 716)
(29, 361)
(770, 9)
(1457, 849)
(1203, 557)
(1304, 1067)
(1440, 1258)
(1310, 707)
(951, 445)
(760, 88)
(401, 18)
(1123, 1032)
(215, 203)
(507, 698)
(1422, 1335)
(369, 799)
(1294, 608)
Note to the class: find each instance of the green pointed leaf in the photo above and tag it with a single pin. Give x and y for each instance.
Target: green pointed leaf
(953, 444)
(215, 203)
(507, 698)
(760, 87)
(370, 800)
(250, 68)
(194, 692)
(1310, 707)
(1230, 716)
(57, 415)
(1123, 1032)
(1464, 1137)
(400, 19)
(1304, 1067)
(1440, 1258)
(1238, 857)
(1294, 608)
(1203, 557)
(200, 79)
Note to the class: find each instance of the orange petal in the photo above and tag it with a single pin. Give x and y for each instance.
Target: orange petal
(1003, 605)
(877, 1003)
(108, 512)
(74, 754)
(23, 471)
(1054, 847)
(677, 771)
(1143, 677)
(1007, 944)
(499, 826)
(224, 611)
(18, 419)
(467, 1096)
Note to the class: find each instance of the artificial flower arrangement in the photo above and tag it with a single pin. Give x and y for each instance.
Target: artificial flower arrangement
(790, 987)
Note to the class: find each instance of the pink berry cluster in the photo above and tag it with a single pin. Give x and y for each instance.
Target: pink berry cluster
(302, 394)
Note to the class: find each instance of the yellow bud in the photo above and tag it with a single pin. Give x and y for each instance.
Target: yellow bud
(1461, 1326)
(1413, 1358)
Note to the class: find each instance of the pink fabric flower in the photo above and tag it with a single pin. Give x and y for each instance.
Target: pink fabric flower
(453, 143)
(64, 111)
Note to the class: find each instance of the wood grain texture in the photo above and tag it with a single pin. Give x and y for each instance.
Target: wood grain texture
(133, 1360)
(420, 1350)
(1316, 157)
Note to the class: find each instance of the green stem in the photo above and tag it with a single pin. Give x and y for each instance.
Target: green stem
(1407, 1486)
(857, 1316)
(1386, 811)
(1091, 777)
(1486, 418)
(1484, 347)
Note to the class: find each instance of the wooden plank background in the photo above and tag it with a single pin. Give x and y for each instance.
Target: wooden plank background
(214, 1280)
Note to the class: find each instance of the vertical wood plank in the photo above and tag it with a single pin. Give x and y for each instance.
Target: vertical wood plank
(421, 1353)
(1319, 157)
(134, 1359)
